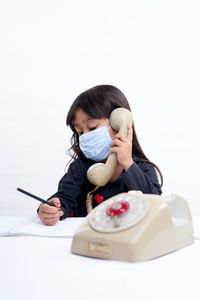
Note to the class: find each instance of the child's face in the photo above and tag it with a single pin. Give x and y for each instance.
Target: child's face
(83, 123)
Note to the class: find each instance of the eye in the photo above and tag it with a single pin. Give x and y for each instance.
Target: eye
(93, 128)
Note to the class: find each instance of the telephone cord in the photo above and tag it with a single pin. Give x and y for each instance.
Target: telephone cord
(89, 199)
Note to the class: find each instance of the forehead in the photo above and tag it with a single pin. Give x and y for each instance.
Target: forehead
(80, 117)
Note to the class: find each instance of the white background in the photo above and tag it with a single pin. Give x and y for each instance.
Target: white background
(51, 51)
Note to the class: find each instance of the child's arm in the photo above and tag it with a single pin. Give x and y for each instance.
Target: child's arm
(142, 176)
(69, 188)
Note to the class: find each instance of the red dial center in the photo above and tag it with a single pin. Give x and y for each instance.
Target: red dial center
(117, 208)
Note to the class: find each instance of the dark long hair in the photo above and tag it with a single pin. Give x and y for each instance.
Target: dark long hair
(98, 102)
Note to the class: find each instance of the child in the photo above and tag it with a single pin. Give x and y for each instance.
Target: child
(89, 117)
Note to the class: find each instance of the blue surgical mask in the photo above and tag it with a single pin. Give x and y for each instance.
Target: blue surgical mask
(96, 144)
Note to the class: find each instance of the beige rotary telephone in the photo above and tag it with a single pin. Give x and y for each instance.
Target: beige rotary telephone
(131, 226)
(135, 227)
(100, 173)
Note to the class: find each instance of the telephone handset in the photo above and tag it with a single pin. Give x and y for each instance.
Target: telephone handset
(99, 174)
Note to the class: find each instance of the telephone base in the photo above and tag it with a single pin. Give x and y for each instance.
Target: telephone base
(166, 227)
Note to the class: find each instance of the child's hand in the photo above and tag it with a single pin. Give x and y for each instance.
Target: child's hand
(50, 215)
(122, 146)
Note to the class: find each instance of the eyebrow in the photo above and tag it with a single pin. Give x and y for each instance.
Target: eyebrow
(89, 118)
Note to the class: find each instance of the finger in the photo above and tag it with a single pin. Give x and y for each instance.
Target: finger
(48, 209)
(116, 142)
(61, 213)
(44, 213)
(49, 216)
(50, 222)
(50, 219)
(55, 201)
(114, 149)
(120, 136)
(130, 132)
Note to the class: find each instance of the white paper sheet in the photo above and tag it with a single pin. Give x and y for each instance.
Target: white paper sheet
(21, 226)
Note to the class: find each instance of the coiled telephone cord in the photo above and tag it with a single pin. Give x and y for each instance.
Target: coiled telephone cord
(89, 199)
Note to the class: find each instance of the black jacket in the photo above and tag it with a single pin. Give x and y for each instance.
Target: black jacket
(74, 186)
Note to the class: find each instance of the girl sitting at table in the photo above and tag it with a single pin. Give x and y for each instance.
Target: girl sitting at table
(93, 139)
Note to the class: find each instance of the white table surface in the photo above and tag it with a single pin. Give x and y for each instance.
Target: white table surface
(44, 268)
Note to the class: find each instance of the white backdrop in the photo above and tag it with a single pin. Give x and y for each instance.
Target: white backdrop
(51, 51)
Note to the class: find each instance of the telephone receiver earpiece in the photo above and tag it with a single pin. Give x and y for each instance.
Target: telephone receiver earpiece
(99, 174)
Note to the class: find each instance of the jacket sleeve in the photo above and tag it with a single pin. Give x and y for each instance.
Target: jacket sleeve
(69, 188)
(142, 177)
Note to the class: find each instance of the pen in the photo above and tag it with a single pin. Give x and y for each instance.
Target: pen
(35, 197)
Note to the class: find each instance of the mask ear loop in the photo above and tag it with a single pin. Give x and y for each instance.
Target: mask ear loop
(89, 199)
